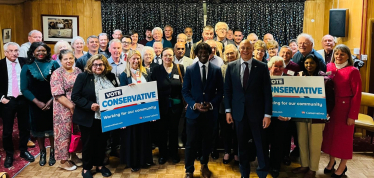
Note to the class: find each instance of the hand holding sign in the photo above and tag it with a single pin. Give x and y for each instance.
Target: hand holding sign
(95, 107)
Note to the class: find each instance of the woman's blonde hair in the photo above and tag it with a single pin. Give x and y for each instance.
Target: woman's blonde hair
(272, 44)
(141, 67)
(231, 46)
(88, 68)
(259, 44)
(343, 48)
(59, 44)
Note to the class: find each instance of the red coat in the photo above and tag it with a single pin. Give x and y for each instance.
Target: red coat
(338, 136)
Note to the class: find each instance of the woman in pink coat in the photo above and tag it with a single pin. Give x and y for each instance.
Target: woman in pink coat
(338, 133)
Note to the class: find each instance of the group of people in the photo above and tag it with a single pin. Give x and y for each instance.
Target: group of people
(216, 87)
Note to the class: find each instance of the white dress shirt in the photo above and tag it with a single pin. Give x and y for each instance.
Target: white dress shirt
(215, 60)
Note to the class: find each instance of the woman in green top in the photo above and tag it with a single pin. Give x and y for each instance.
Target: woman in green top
(35, 86)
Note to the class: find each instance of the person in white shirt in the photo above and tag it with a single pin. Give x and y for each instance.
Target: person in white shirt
(179, 57)
(158, 47)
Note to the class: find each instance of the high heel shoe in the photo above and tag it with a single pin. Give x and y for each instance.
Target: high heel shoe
(52, 159)
(328, 171)
(341, 175)
(43, 157)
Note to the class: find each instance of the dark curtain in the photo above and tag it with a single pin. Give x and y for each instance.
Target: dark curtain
(136, 15)
(282, 18)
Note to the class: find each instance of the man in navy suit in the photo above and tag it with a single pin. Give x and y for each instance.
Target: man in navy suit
(248, 103)
(12, 102)
(203, 91)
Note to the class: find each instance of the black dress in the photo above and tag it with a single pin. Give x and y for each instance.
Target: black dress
(33, 85)
(136, 144)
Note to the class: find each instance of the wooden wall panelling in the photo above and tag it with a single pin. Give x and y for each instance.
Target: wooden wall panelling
(314, 20)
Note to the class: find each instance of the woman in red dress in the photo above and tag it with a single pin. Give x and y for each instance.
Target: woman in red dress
(338, 133)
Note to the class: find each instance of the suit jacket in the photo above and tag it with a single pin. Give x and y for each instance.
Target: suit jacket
(83, 95)
(124, 80)
(188, 50)
(4, 75)
(168, 87)
(299, 59)
(256, 99)
(194, 92)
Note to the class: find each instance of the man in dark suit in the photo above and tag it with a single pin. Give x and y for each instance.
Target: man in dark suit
(248, 100)
(12, 102)
(202, 90)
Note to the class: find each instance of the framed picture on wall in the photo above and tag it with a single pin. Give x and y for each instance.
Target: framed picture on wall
(7, 35)
(59, 27)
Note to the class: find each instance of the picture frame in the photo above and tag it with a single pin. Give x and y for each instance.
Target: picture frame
(59, 27)
(7, 35)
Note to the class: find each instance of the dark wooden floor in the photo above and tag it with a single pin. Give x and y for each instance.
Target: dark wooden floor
(361, 166)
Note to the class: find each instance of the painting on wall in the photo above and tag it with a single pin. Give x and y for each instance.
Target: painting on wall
(7, 35)
(59, 27)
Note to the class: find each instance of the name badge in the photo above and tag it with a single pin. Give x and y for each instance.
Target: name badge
(290, 72)
(175, 76)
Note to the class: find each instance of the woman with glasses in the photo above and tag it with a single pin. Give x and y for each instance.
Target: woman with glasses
(97, 76)
(169, 86)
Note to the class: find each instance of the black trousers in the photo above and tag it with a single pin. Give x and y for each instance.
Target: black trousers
(200, 128)
(167, 131)
(276, 136)
(20, 106)
(94, 144)
(291, 131)
(247, 133)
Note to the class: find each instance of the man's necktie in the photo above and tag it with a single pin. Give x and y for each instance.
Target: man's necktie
(204, 75)
(15, 90)
(246, 75)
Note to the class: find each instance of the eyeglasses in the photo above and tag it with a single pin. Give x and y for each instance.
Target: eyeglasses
(98, 65)
(126, 43)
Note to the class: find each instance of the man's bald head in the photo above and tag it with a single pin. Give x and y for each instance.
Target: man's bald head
(328, 43)
(268, 37)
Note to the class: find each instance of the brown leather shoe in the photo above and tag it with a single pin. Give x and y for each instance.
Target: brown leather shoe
(205, 172)
(30, 144)
(310, 174)
(188, 175)
(300, 170)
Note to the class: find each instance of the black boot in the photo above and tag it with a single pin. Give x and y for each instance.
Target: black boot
(52, 160)
(43, 157)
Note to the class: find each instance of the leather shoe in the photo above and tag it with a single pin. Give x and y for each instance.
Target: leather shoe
(205, 172)
(274, 173)
(87, 174)
(104, 171)
(198, 155)
(188, 175)
(214, 154)
(300, 170)
(30, 144)
(162, 160)
(8, 161)
(310, 174)
(287, 160)
(27, 156)
(43, 157)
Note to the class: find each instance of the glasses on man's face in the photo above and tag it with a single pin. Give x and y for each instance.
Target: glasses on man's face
(125, 42)
(11, 51)
(98, 65)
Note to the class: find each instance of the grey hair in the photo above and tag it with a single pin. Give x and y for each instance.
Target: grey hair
(114, 41)
(10, 44)
(33, 31)
(252, 34)
(157, 43)
(180, 34)
(172, 29)
(59, 43)
(221, 23)
(156, 28)
(117, 30)
(275, 59)
(76, 38)
(309, 37)
(148, 48)
(103, 34)
(92, 36)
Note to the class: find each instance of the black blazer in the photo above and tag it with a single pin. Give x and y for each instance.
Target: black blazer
(4, 75)
(256, 99)
(168, 87)
(83, 95)
(124, 80)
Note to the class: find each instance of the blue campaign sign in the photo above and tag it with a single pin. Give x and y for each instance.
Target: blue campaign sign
(299, 97)
(128, 105)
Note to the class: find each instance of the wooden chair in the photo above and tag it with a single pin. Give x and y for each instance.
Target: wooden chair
(364, 121)
(4, 175)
